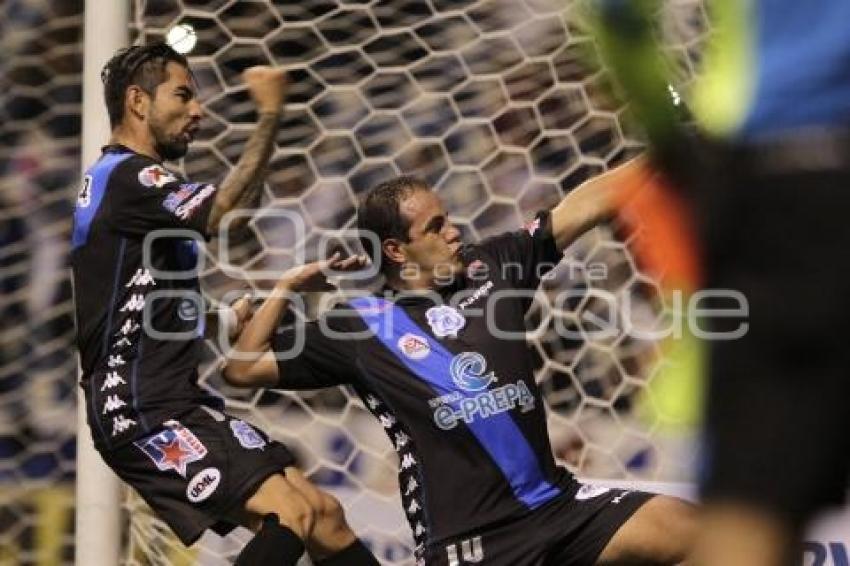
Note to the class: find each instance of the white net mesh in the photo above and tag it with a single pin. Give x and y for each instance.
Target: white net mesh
(498, 105)
(39, 167)
(495, 103)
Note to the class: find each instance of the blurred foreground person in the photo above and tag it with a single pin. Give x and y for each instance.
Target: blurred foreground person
(769, 174)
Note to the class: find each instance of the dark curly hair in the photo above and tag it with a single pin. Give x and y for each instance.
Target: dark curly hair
(142, 65)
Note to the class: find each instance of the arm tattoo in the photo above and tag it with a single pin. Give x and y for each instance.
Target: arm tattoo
(244, 185)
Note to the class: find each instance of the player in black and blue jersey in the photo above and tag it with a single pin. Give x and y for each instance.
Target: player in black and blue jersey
(139, 313)
(440, 358)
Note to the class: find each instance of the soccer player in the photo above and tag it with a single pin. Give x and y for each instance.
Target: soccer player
(440, 358)
(137, 311)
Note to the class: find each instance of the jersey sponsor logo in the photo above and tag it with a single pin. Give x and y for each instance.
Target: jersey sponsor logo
(467, 369)
(155, 176)
(173, 448)
(185, 210)
(445, 321)
(532, 227)
(453, 408)
(471, 552)
(173, 200)
(247, 436)
(589, 491)
(84, 196)
(480, 292)
(413, 346)
(469, 373)
(203, 484)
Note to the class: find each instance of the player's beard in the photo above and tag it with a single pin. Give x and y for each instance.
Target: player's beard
(170, 149)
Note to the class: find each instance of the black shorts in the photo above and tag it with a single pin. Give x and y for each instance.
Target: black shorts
(777, 425)
(196, 471)
(573, 530)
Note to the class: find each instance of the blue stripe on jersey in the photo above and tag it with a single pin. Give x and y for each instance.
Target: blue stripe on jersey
(498, 434)
(96, 178)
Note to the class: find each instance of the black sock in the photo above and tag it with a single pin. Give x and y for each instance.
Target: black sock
(355, 554)
(273, 544)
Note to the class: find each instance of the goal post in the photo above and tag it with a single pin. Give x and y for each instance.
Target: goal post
(98, 490)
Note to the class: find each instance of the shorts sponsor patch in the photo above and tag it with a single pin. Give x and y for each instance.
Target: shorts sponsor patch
(203, 484)
(155, 176)
(173, 448)
(247, 436)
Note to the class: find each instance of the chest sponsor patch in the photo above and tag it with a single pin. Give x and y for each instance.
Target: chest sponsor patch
(247, 436)
(413, 346)
(173, 448)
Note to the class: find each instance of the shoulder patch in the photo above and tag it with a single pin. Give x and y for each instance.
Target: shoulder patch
(155, 176)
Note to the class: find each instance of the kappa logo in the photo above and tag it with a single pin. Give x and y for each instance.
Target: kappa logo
(414, 347)
(247, 435)
(155, 176)
(589, 491)
(533, 226)
(445, 321)
(203, 484)
(482, 291)
(173, 448)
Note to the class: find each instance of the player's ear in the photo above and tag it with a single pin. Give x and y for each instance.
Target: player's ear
(394, 250)
(137, 102)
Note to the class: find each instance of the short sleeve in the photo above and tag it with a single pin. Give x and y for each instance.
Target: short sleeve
(144, 196)
(525, 255)
(317, 357)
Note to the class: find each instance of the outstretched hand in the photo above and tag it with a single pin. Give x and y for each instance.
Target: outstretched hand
(313, 276)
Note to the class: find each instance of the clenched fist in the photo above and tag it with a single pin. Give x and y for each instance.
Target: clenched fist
(267, 85)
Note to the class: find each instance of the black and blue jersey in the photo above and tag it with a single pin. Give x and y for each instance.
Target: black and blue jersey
(138, 320)
(450, 377)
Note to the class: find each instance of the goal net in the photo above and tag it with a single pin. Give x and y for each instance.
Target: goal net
(501, 105)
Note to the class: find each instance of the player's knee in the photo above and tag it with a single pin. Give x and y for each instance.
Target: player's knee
(278, 496)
